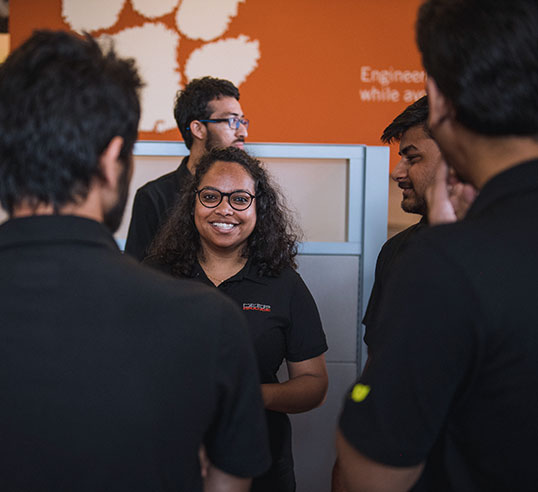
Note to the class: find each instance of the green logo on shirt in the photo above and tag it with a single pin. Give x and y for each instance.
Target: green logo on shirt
(359, 392)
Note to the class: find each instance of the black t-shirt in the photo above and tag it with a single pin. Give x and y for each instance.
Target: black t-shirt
(454, 382)
(284, 323)
(113, 374)
(152, 205)
(389, 254)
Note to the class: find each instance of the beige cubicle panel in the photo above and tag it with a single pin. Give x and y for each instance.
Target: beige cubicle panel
(315, 191)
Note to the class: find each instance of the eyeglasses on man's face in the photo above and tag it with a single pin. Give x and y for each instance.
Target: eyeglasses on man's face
(211, 198)
(233, 121)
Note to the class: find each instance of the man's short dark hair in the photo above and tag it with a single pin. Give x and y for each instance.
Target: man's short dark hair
(414, 115)
(62, 100)
(483, 55)
(192, 102)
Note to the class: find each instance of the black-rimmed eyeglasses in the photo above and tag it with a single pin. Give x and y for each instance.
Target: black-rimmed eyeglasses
(233, 121)
(211, 198)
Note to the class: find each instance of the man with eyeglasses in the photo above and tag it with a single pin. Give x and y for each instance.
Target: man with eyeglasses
(208, 115)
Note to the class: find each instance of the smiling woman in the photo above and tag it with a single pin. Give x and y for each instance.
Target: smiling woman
(225, 225)
(231, 231)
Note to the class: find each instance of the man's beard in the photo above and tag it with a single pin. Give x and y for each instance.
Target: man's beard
(213, 142)
(112, 218)
(416, 206)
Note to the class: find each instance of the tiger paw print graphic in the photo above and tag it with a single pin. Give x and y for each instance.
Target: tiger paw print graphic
(156, 46)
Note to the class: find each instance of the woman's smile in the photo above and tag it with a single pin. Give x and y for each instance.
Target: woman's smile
(222, 227)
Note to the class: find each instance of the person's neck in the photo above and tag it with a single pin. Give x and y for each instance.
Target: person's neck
(197, 151)
(90, 208)
(484, 157)
(220, 266)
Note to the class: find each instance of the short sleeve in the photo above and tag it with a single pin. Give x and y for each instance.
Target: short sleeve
(237, 440)
(375, 296)
(388, 256)
(428, 350)
(143, 226)
(305, 337)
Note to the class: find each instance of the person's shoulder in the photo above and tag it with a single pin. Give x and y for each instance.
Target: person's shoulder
(156, 269)
(188, 290)
(157, 263)
(287, 275)
(291, 282)
(446, 244)
(395, 246)
(289, 272)
(403, 236)
(168, 180)
(152, 276)
(180, 298)
(442, 235)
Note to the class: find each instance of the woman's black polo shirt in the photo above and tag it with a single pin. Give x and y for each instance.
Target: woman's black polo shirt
(281, 313)
(284, 323)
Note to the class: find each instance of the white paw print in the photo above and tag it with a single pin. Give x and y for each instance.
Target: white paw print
(155, 46)
(152, 8)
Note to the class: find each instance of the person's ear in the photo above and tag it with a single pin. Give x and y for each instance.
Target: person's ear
(108, 162)
(440, 109)
(198, 130)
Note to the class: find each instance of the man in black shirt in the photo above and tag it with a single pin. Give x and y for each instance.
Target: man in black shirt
(420, 159)
(447, 402)
(113, 376)
(208, 115)
(414, 173)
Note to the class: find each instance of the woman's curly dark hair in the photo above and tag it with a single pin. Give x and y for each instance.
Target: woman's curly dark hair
(272, 246)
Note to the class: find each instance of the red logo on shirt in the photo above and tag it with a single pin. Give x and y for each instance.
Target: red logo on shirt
(250, 306)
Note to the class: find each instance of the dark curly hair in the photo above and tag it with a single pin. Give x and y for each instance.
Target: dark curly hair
(272, 246)
(192, 103)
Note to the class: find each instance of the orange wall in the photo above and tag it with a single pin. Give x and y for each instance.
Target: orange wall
(308, 82)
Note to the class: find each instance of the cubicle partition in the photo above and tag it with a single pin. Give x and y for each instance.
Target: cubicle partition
(340, 195)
